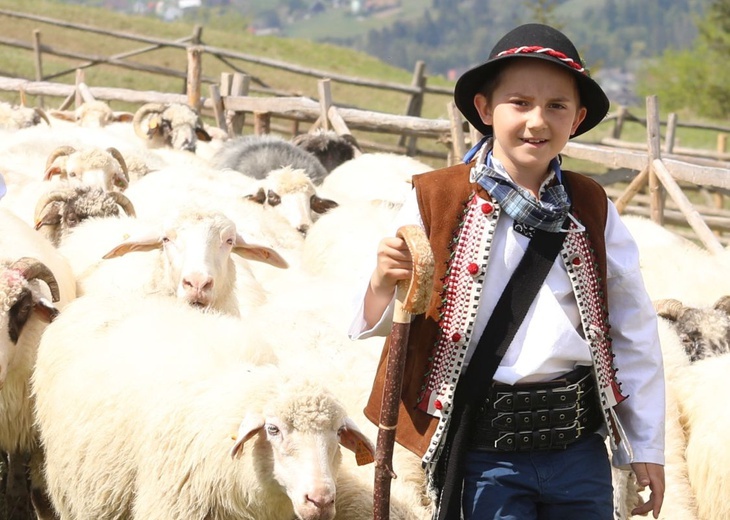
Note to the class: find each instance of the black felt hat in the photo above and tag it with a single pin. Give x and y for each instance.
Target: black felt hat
(536, 41)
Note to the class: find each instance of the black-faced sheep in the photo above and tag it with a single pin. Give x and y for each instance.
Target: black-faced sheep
(58, 212)
(328, 147)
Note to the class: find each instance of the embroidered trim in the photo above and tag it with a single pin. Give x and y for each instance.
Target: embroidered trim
(529, 49)
(460, 300)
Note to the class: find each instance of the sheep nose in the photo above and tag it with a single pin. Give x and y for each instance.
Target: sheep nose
(198, 282)
(321, 501)
(303, 229)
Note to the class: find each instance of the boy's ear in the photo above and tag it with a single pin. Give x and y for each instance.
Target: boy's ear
(579, 117)
(481, 103)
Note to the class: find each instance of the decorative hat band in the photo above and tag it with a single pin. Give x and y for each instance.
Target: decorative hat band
(545, 50)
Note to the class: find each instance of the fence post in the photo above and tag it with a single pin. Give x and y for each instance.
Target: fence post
(193, 76)
(38, 61)
(239, 87)
(78, 95)
(414, 106)
(458, 148)
(618, 126)
(219, 111)
(262, 123)
(671, 133)
(656, 191)
(718, 197)
(325, 101)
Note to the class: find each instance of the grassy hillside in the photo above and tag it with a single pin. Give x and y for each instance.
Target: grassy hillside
(19, 62)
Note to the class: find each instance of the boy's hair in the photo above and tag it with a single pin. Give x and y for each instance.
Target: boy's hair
(534, 41)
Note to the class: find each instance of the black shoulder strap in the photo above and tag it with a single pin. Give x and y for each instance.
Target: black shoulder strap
(473, 386)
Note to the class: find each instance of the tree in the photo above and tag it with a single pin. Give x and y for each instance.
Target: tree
(696, 80)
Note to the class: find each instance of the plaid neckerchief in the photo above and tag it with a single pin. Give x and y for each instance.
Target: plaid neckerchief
(548, 213)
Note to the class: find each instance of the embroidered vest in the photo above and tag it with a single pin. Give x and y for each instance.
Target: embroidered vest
(460, 229)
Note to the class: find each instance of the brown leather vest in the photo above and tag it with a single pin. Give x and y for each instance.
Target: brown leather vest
(442, 197)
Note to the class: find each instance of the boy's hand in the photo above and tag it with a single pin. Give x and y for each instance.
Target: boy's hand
(651, 475)
(394, 263)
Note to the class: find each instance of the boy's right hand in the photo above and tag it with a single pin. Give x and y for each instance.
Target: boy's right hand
(394, 263)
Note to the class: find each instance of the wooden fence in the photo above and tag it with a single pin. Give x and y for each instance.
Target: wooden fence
(660, 170)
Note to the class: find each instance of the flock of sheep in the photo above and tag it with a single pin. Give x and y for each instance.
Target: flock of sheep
(173, 315)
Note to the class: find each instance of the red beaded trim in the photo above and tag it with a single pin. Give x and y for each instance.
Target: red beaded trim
(529, 49)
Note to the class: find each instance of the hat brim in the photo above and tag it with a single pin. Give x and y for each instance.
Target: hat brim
(592, 96)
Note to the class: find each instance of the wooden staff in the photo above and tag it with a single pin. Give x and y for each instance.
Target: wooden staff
(412, 298)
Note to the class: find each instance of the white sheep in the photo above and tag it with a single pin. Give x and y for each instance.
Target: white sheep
(187, 256)
(93, 114)
(14, 117)
(174, 125)
(35, 284)
(291, 193)
(202, 427)
(90, 166)
(373, 177)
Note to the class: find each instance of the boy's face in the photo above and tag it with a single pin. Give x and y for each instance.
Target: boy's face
(533, 110)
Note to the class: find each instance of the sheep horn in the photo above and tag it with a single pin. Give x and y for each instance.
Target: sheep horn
(42, 114)
(120, 159)
(58, 152)
(30, 269)
(669, 308)
(121, 199)
(46, 199)
(141, 113)
(723, 304)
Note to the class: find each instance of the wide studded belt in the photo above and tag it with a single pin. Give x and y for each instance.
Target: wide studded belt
(538, 416)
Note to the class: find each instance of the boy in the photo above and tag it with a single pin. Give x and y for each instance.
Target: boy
(524, 438)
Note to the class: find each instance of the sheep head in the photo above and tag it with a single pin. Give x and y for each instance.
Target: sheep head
(196, 248)
(20, 297)
(175, 125)
(302, 429)
(328, 147)
(14, 117)
(93, 166)
(290, 192)
(60, 211)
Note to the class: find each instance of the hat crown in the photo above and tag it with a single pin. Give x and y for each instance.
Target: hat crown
(536, 36)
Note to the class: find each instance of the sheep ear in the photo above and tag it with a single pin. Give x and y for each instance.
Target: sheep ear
(258, 253)
(352, 438)
(320, 205)
(122, 117)
(250, 426)
(46, 310)
(141, 243)
(259, 197)
(201, 134)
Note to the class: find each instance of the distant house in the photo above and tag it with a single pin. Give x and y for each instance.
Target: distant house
(185, 4)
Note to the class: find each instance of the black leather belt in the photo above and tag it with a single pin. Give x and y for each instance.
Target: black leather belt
(538, 416)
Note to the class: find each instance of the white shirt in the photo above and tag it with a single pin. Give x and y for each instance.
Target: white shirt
(549, 341)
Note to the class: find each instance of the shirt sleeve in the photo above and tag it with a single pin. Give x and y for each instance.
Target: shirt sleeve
(635, 342)
(408, 215)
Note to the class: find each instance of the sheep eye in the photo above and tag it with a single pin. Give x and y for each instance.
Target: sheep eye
(229, 241)
(165, 240)
(72, 174)
(274, 198)
(272, 430)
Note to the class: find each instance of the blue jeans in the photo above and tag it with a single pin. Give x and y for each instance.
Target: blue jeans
(574, 483)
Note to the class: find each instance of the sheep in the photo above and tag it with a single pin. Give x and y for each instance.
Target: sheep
(199, 430)
(174, 125)
(291, 193)
(373, 176)
(257, 155)
(36, 283)
(13, 117)
(58, 212)
(93, 114)
(328, 147)
(91, 166)
(189, 257)
(704, 332)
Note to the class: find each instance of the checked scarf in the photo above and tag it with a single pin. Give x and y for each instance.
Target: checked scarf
(548, 213)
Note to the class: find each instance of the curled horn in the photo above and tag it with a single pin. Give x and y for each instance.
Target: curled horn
(141, 113)
(30, 269)
(669, 308)
(723, 304)
(120, 159)
(47, 198)
(58, 152)
(121, 199)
